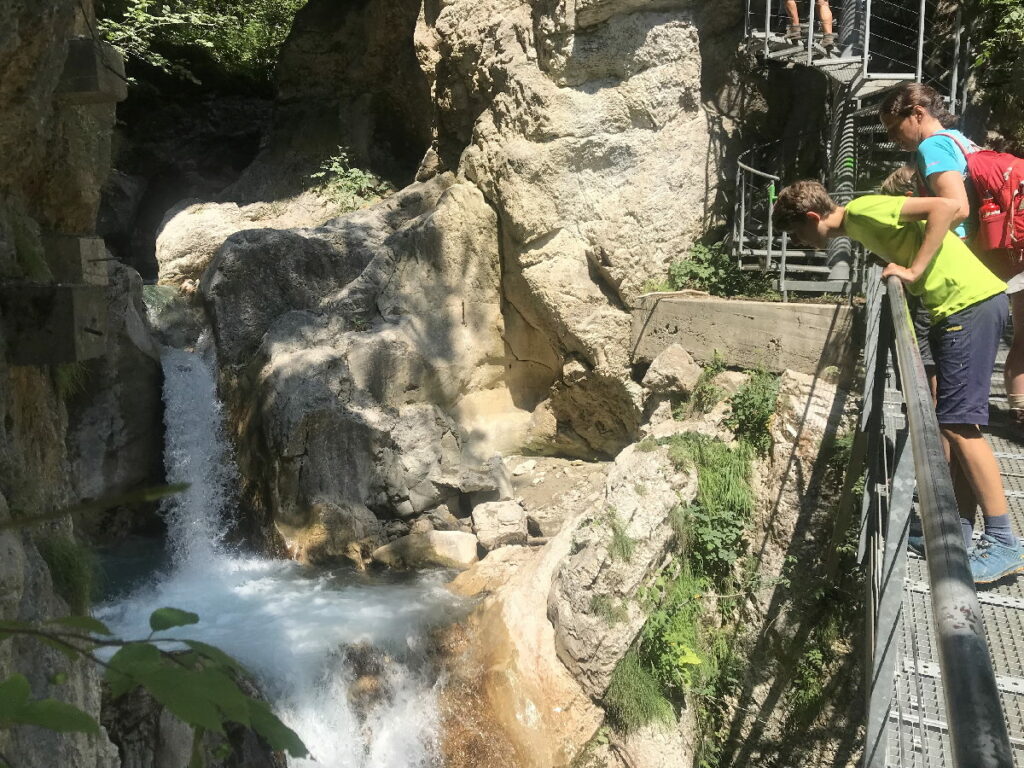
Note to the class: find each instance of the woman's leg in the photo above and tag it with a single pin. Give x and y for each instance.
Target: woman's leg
(794, 14)
(1013, 371)
(825, 14)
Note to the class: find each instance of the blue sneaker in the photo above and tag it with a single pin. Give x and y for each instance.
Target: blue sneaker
(991, 561)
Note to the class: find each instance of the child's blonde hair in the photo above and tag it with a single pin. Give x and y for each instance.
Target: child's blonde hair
(901, 182)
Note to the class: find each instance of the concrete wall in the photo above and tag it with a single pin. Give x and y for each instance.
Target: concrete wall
(748, 334)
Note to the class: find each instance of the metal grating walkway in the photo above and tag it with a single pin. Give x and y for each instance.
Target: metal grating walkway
(918, 733)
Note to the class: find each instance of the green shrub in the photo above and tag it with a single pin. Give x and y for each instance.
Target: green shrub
(349, 187)
(670, 640)
(752, 409)
(609, 609)
(634, 698)
(713, 269)
(70, 378)
(718, 516)
(706, 394)
(622, 544)
(73, 569)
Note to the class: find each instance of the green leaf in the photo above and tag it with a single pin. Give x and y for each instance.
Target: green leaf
(216, 655)
(127, 668)
(168, 618)
(14, 693)
(56, 716)
(176, 690)
(224, 693)
(12, 628)
(278, 735)
(16, 709)
(198, 758)
(84, 623)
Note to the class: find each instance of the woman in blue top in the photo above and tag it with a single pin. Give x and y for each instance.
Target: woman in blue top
(917, 119)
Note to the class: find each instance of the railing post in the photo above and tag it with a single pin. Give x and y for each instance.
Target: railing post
(977, 728)
(920, 40)
(867, 37)
(810, 34)
(954, 80)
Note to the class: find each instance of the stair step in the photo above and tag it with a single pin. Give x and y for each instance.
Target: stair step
(791, 253)
(814, 286)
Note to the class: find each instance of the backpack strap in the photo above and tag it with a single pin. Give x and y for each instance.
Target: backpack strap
(957, 142)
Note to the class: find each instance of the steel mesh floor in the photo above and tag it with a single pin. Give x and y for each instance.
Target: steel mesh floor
(918, 734)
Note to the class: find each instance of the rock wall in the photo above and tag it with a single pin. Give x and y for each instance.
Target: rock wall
(55, 159)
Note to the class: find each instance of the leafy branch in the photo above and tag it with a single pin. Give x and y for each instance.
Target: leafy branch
(198, 685)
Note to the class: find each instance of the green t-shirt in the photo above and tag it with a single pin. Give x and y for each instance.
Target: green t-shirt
(954, 279)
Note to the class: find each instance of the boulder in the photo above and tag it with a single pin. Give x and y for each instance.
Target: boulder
(731, 382)
(618, 547)
(672, 371)
(193, 231)
(374, 343)
(442, 549)
(499, 524)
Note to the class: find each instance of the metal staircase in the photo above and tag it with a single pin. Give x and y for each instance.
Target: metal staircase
(881, 44)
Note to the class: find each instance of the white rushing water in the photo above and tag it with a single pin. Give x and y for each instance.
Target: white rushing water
(307, 636)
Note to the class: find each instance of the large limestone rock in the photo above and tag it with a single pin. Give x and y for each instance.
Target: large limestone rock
(193, 230)
(586, 127)
(508, 700)
(534, 656)
(619, 545)
(372, 343)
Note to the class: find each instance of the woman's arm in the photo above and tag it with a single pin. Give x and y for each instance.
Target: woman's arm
(938, 214)
(950, 185)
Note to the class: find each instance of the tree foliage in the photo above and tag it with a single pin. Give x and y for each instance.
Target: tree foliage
(242, 36)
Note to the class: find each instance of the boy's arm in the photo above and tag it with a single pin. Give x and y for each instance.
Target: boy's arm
(937, 213)
(950, 185)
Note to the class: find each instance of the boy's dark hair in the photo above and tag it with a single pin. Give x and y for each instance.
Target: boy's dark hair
(799, 199)
(901, 102)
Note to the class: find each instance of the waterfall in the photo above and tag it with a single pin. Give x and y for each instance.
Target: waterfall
(195, 452)
(342, 657)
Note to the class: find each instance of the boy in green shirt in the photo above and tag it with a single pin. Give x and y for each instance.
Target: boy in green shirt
(968, 309)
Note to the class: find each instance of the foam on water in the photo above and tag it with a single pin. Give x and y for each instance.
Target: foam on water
(290, 626)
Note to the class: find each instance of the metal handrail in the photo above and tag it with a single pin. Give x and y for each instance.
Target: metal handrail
(763, 174)
(899, 435)
(977, 727)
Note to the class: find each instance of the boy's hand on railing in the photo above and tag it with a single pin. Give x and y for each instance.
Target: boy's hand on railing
(904, 274)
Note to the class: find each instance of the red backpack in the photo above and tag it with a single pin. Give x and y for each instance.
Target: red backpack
(998, 182)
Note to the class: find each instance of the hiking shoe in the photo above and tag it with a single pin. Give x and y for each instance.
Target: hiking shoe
(991, 561)
(828, 42)
(794, 33)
